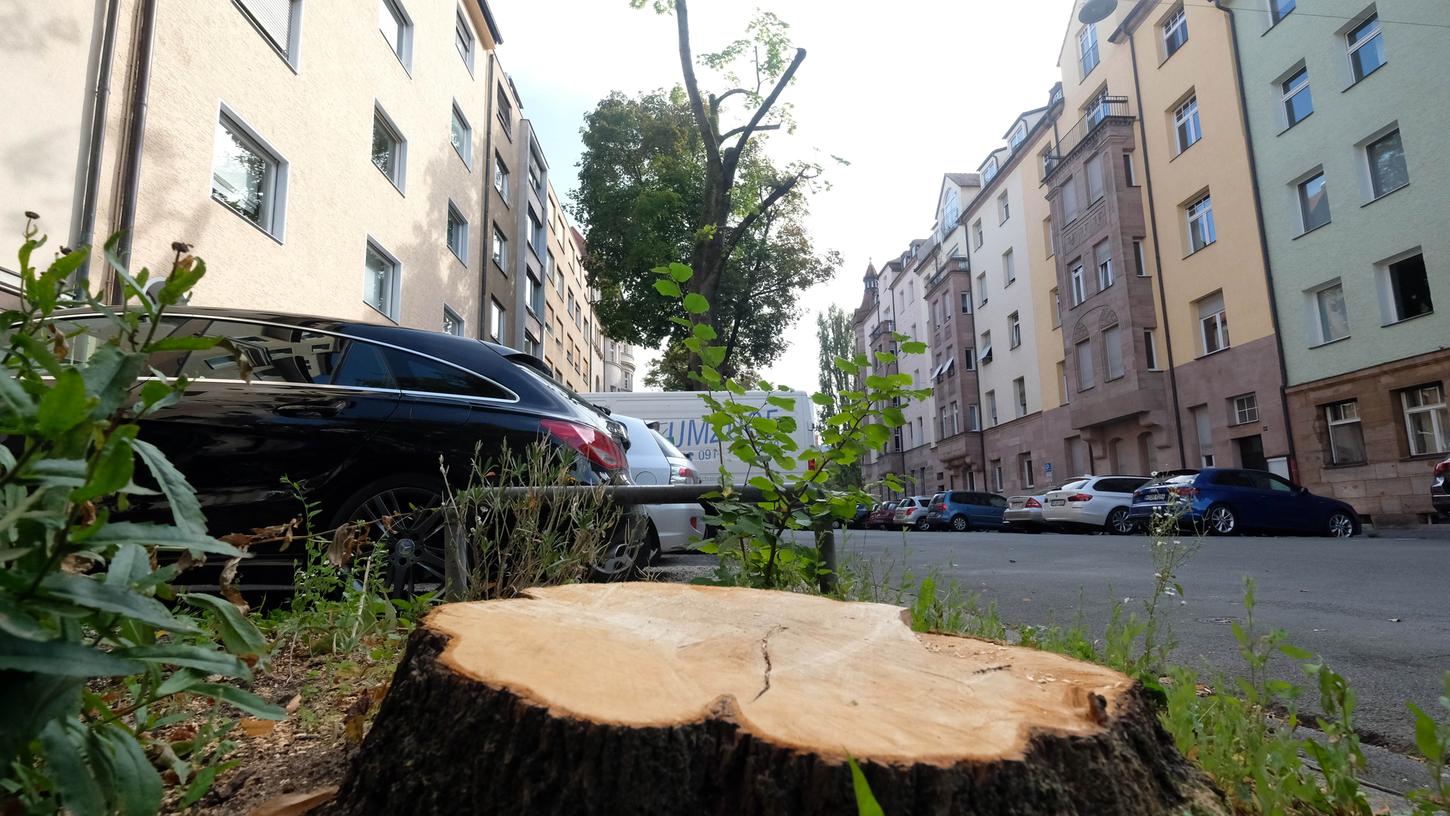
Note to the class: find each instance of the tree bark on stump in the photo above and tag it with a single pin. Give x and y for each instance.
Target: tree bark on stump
(667, 698)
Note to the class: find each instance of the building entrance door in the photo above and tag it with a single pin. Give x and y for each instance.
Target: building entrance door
(1251, 452)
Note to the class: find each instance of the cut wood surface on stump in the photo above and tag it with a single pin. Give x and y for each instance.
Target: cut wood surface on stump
(668, 698)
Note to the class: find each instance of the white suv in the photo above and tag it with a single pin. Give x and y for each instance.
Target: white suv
(1097, 502)
(654, 460)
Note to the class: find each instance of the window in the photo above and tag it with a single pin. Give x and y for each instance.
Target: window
(1346, 435)
(463, 39)
(1009, 270)
(531, 344)
(989, 172)
(955, 418)
(1095, 179)
(969, 359)
(1407, 289)
(500, 249)
(500, 176)
(278, 21)
(1203, 428)
(1087, 49)
(966, 302)
(1150, 350)
(381, 281)
(1130, 176)
(1332, 318)
(452, 323)
(1102, 253)
(397, 29)
(1062, 382)
(977, 234)
(1185, 124)
(1004, 211)
(1113, 350)
(1014, 330)
(1079, 289)
(1298, 101)
(1245, 409)
(991, 409)
(1096, 110)
(974, 418)
(1140, 261)
(1019, 134)
(1314, 201)
(1056, 308)
(1069, 200)
(1024, 461)
(496, 319)
(1048, 238)
(389, 149)
(982, 289)
(535, 234)
(1019, 395)
(247, 176)
(997, 483)
(1175, 31)
(457, 233)
(533, 294)
(1425, 419)
(985, 357)
(536, 179)
(505, 110)
(1212, 323)
(1366, 48)
(1201, 231)
(1085, 375)
(462, 136)
(1387, 170)
(1279, 9)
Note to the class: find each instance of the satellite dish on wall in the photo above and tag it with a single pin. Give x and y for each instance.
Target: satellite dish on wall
(1095, 10)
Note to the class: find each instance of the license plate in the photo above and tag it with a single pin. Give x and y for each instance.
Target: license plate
(1155, 497)
(1016, 505)
(1058, 502)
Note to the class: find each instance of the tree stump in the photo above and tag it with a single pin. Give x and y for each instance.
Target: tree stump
(665, 698)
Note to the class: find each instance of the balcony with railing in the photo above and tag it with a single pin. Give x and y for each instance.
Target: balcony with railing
(884, 327)
(1108, 109)
(956, 263)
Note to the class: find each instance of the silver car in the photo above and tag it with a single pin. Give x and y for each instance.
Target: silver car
(1097, 502)
(654, 460)
(911, 512)
(1025, 512)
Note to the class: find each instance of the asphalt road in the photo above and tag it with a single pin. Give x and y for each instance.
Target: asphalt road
(1377, 609)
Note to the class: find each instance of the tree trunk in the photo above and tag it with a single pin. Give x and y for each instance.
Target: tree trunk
(666, 698)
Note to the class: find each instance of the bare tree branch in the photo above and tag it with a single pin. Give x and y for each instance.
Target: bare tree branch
(716, 100)
(741, 129)
(760, 112)
(777, 193)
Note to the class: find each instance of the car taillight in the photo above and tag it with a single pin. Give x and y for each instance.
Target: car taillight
(1184, 492)
(1031, 502)
(1080, 497)
(685, 472)
(593, 444)
(1442, 468)
(941, 508)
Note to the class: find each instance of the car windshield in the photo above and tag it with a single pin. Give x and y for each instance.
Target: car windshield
(1073, 485)
(1173, 479)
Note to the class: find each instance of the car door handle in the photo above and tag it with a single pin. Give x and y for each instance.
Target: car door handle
(319, 408)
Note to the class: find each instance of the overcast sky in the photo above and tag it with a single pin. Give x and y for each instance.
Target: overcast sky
(917, 89)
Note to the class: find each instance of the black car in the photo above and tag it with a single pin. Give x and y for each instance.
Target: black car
(362, 416)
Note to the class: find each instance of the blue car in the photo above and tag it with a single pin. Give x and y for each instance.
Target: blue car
(963, 510)
(1228, 501)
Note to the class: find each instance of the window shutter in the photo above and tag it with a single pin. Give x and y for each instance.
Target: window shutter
(275, 18)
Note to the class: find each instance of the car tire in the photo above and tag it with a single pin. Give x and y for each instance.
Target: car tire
(1118, 523)
(1220, 520)
(923, 526)
(414, 544)
(960, 524)
(651, 552)
(1341, 524)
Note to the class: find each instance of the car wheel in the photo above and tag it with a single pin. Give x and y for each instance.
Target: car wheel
(1221, 521)
(959, 523)
(402, 513)
(1118, 523)
(923, 525)
(1341, 525)
(651, 552)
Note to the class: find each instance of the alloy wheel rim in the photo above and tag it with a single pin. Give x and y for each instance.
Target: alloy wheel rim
(1223, 520)
(1119, 521)
(410, 524)
(1341, 526)
(959, 524)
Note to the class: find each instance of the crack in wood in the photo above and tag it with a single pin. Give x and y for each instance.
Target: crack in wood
(765, 654)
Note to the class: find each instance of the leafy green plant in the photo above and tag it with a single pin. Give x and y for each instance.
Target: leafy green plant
(1432, 738)
(92, 663)
(1170, 552)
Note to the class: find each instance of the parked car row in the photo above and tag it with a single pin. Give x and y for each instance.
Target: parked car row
(1216, 501)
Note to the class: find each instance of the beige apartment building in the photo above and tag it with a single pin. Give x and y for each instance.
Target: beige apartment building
(361, 160)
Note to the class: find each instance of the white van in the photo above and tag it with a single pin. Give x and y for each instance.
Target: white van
(679, 415)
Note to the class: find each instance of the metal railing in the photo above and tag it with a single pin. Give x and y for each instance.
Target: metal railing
(883, 327)
(1108, 107)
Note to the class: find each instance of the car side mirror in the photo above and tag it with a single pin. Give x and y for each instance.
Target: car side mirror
(1302, 490)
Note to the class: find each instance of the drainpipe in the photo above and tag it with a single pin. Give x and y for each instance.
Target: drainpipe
(1158, 257)
(135, 136)
(487, 232)
(95, 141)
(1263, 236)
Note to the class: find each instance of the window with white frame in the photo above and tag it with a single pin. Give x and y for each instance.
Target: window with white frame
(463, 39)
(1079, 287)
(1426, 422)
(505, 108)
(991, 409)
(1279, 9)
(389, 148)
(1405, 289)
(955, 418)
(977, 234)
(535, 233)
(1140, 260)
(1095, 187)
(247, 176)
(969, 359)
(1313, 202)
(531, 345)
(1025, 467)
(1186, 126)
(397, 29)
(989, 172)
(381, 282)
(1331, 317)
(1201, 231)
(533, 293)
(1087, 48)
(500, 176)
(1004, 210)
(1203, 430)
(500, 253)
(1245, 409)
(1070, 203)
(1113, 351)
(1150, 350)
(462, 136)
(279, 21)
(457, 233)
(974, 418)
(1019, 395)
(982, 289)
(1062, 382)
(1049, 237)
(1103, 256)
(1387, 169)
(966, 302)
(1086, 377)
(1175, 31)
(1056, 307)
(1130, 176)
(1366, 47)
(1009, 268)
(1019, 134)
(496, 320)
(1212, 324)
(997, 483)
(985, 357)
(1014, 330)
(1346, 434)
(1098, 108)
(1298, 99)
(452, 323)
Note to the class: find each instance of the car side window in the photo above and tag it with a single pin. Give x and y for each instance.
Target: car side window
(998, 501)
(275, 353)
(1230, 478)
(363, 366)
(1275, 483)
(417, 373)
